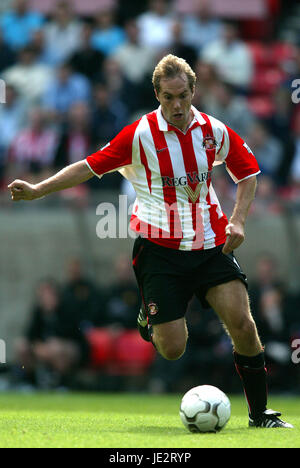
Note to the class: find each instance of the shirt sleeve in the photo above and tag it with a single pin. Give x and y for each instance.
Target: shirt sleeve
(115, 155)
(239, 159)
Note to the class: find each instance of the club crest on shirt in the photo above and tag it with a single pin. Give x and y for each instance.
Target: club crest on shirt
(152, 308)
(209, 143)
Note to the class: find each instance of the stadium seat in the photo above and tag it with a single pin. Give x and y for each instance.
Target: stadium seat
(261, 106)
(283, 52)
(119, 353)
(101, 346)
(265, 81)
(132, 355)
(262, 54)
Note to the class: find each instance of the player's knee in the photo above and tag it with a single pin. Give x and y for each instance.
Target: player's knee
(172, 351)
(246, 331)
(170, 339)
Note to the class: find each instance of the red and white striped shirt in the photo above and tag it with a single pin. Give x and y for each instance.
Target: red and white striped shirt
(176, 205)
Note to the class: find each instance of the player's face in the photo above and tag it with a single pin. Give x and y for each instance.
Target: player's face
(175, 97)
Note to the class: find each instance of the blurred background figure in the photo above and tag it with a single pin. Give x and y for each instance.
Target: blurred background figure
(201, 28)
(66, 89)
(83, 302)
(62, 34)
(179, 48)
(133, 52)
(76, 137)
(123, 298)
(233, 109)
(291, 163)
(29, 77)
(272, 307)
(207, 79)
(31, 153)
(119, 86)
(107, 36)
(109, 115)
(156, 24)
(8, 56)
(231, 57)
(19, 24)
(268, 149)
(12, 121)
(51, 347)
(86, 60)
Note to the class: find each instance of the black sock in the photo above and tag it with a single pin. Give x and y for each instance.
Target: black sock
(253, 374)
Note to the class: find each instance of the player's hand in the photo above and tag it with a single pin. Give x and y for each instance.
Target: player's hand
(21, 190)
(235, 237)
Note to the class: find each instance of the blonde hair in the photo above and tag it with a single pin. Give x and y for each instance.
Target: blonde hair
(170, 67)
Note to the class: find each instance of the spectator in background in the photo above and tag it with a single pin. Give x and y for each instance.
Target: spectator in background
(19, 24)
(51, 347)
(207, 79)
(228, 107)
(12, 120)
(135, 59)
(179, 48)
(120, 87)
(38, 44)
(83, 302)
(66, 89)
(270, 305)
(231, 57)
(8, 56)
(123, 297)
(155, 25)
(290, 168)
(32, 151)
(107, 36)
(29, 77)
(109, 115)
(201, 28)
(86, 60)
(75, 139)
(279, 122)
(267, 275)
(62, 34)
(268, 150)
(266, 200)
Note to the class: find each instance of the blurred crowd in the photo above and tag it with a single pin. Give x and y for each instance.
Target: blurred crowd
(73, 81)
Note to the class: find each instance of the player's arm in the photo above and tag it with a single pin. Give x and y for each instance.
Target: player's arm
(243, 168)
(68, 177)
(235, 230)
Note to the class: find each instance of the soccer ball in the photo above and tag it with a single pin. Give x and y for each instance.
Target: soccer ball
(205, 409)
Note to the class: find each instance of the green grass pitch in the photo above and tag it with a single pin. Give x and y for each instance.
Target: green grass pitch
(129, 421)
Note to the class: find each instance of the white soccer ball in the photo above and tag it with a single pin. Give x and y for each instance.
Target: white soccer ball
(205, 409)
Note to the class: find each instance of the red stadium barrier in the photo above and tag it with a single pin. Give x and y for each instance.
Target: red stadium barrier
(121, 353)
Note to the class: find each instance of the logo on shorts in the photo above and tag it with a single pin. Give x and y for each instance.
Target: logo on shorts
(152, 308)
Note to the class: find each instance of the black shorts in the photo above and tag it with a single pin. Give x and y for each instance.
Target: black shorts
(168, 279)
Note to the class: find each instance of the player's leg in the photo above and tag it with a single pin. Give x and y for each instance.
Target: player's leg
(230, 301)
(165, 293)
